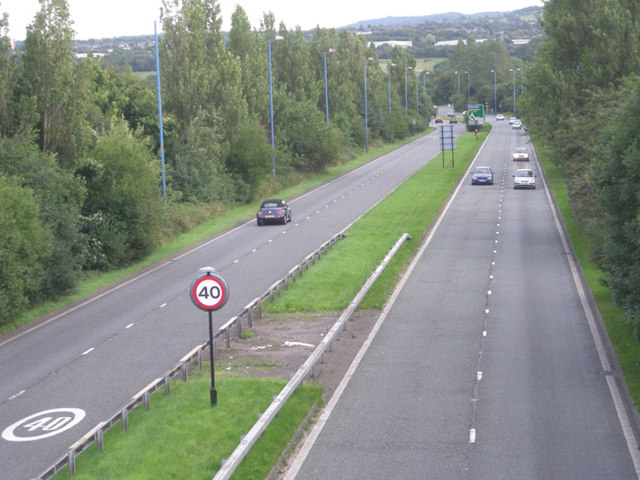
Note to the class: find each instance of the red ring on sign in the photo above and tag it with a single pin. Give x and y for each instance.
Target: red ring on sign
(209, 292)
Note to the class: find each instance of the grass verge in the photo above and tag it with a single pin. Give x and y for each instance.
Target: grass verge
(620, 332)
(181, 436)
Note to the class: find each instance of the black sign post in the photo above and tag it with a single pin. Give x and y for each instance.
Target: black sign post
(209, 292)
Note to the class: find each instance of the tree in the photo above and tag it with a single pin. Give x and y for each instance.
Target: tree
(59, 195)
(50, 82)
(617, 177)
(24, 243)
(250, 48)
(123, 210)
(8, 79)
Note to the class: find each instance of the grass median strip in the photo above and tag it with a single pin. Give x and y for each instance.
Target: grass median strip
(181, 436)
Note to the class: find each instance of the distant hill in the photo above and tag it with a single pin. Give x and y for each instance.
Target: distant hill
(439, 17)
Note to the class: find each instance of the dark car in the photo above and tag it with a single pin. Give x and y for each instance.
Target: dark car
(482, 176)
(273, 211)
(453, 120)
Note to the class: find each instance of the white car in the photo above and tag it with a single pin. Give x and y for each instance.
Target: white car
(524, 178)
(520, 154)
(516, 125)
(511, 120)
(499, 116)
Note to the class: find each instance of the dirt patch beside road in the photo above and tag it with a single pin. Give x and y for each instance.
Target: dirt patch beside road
(277, 345)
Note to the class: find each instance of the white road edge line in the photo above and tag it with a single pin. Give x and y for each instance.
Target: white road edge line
(326, 413)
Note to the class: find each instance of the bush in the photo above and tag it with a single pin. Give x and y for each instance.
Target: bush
(124, 207)
(24, 244)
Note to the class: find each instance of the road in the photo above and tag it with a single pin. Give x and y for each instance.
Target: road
(86, 363)
(484, 365)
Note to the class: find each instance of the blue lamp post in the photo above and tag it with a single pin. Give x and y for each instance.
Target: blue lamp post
(458, 74)
(406, 105)
(326, 88)
(468, 87)
(514, 90)
(366, 119)
(164, 184)
(495, 96)
(417, 94)
(273, 157)
(389, 86)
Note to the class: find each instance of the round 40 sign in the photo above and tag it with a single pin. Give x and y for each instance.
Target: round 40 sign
(209, 292)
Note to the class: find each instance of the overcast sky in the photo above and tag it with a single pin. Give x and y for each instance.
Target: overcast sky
(113, 18)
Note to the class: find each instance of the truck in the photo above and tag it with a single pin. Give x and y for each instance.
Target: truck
(475, 117)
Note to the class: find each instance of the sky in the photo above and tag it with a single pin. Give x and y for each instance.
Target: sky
(114, 18)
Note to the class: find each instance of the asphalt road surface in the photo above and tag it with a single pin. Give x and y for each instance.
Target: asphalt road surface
(79, 368)
(484, 367)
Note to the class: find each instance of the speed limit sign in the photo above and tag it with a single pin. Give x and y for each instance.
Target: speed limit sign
(209, 291)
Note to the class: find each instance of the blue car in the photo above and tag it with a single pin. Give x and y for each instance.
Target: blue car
(273, 211)
(482, 176)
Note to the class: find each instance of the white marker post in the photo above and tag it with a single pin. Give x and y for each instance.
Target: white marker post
(209, 292)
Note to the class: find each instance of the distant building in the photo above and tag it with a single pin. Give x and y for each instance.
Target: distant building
(520, 41)
(394, 43)
(453, 43)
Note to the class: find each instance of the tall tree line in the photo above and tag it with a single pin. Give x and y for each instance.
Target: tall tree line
(80, 172)
(582, 96)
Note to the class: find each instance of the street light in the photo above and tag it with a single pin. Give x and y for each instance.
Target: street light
(389, 65)
(468, 87)
(366, 115)
(458, 74)
(495, 97)
(273, 157)
(164, 183)
(417, 94)
(406, 103)
(326, 88)
(521, 81)
(514, 91)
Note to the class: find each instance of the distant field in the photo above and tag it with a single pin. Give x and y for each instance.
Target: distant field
(422, 64)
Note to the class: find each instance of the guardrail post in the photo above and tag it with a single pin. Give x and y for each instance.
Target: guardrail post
(145, 396)
(227, 337)
(183, 369)
(124, 417)
(260, 308)
(99, 440)
(167, 385)
(249, 317)
(200, 360)
(239, 322)
(72, 463)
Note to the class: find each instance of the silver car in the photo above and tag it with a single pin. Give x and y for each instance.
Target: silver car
(520, 154)
(524, 178)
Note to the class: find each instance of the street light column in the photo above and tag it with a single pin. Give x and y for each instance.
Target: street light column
(406, 105)
(468, 87)
(417, 95)
(326, 89)
(495, 96)
(389, 85)
(514, 91)
(273, 158)
(164, 184)
(366, 119)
